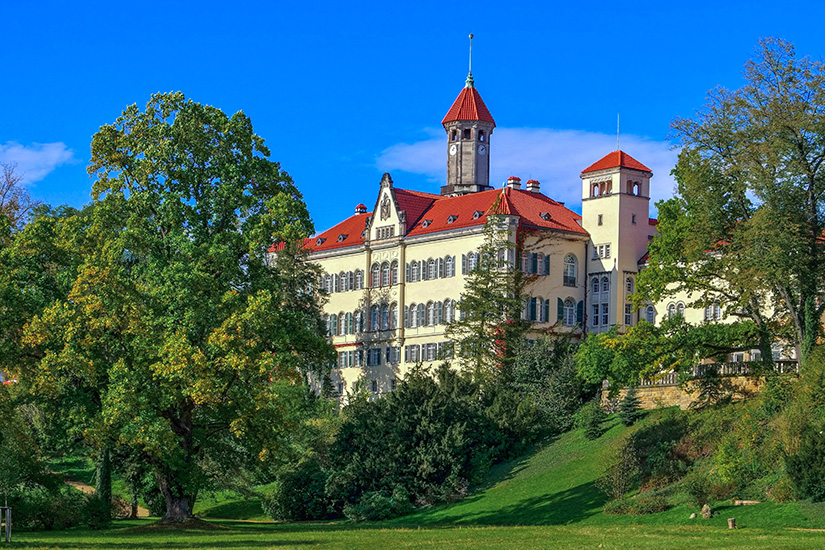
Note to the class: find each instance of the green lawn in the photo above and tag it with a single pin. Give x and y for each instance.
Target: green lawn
(348, 537)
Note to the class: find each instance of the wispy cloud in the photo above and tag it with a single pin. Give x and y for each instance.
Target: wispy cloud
(554, 157)
(35, 161)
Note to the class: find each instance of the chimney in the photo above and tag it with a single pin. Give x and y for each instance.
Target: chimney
(360, 209)
(514, 182)
(533, 186)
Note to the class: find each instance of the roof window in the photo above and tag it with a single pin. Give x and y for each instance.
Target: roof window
(342, 236)
(426, 223)
(452, 218)
(477, 214)
(546, 216)
(319, 241)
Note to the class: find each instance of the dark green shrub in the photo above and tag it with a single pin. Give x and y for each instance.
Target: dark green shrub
(43, 509)
(299, 493)
(721, 491)
(96, 513)
(697, 488)
(591, 420)
(377, 506)
(629, 408)
(806, 468)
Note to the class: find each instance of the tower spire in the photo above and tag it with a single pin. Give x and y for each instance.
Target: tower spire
(617, 132)
(469, 83)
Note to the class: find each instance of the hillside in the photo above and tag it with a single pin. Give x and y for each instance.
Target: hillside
(555, 485)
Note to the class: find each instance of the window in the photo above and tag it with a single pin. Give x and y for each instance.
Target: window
(359, 322)
(605, 315)
(713, 312)
(385, 274)
(570, 270)
(671, 309)
(413, 316)
(422, 315)
(633, 219)
(595, 285)
(601, 251)
(600, 219)
(449, 263)
(393, 316)
(394, 273)
(595, 321)
(385, 317)
(651, 314)
(628, 283)
(340, 388)
(432, 272)
(328, 284)
(472, 261)
(374, 386)
(605, 284)
(466, 133)
(373, 357)
(680, 309)
(628, 314)
(429, 352)
(481, 135)
(332, 327)
(376, 275)
(569, 312)
(342, 325)
(411, 353)
(393, 355)
(430, 314)
(415, 272)
(359, 279)
(375, 318)
(449, 310)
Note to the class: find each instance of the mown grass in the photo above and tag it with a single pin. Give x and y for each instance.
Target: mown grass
(350, 537)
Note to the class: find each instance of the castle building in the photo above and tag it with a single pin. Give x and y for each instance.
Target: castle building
(394, 274)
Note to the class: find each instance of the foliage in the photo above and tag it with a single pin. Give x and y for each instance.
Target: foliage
(591, 419)
(487, 333)
(621, 469)
(697, 487)
(377, 506)
(806, 468)
(298, 494)
(630, 407)
(179, 321)
(545, 374)
(431, 437)
(746, 226)
(15, 202)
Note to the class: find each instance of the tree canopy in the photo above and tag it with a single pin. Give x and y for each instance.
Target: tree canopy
(179, 320)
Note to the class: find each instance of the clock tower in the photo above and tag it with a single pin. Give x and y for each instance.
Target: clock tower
(469, 126)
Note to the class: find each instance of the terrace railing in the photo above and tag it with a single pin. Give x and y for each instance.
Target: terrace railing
(729, 368)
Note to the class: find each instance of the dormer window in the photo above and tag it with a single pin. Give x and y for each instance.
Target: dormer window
(477, 214)
(341, 237)
(546, 216)
(319, 241)
(426, 223)
(452, 218)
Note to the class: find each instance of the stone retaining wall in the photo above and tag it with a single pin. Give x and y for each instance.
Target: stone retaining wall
(655, 397)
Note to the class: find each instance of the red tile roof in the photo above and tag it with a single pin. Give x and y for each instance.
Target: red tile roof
(414, 203)
(616, 159)
(468, 106)
(350, 231)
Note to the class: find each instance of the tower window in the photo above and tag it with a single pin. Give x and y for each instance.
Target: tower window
(600, 219)
(481, 135)
(466, 133)
(454, 135)
(633, 219)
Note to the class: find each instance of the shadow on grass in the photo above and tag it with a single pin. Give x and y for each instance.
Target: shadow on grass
(243, 509)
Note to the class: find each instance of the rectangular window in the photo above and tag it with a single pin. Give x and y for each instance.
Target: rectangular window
(600, 219)
(628, 314)
(373, 357)
(411, 353)
(374, 386)
(595, 315)
(633, 219)
(605, 316)
(340, 388)
(601, 251)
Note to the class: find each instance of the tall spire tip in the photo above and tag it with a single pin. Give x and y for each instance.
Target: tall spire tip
(470, 73)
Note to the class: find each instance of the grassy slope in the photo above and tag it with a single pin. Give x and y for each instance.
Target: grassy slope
(556, 486)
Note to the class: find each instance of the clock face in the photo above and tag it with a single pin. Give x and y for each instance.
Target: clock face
(482, 149)
(453, 149)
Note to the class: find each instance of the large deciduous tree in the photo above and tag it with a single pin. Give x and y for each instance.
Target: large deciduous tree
(747, 224)
(179, 317)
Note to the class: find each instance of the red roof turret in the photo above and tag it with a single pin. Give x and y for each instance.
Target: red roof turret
(616, 159)
(468, 106)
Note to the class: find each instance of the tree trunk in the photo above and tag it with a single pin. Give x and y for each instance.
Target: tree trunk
(103, 485)
(178, 503)
(133, 510)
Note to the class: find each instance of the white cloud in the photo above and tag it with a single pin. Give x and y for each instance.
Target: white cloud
(35, 161)
(554, 157)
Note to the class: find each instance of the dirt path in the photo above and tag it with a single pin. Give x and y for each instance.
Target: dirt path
(89, 490)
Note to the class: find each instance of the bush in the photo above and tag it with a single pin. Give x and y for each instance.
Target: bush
(96, 513)
(621, 469)
(629, 408)
(806, 468)
(43, 509)
(697, 488)
(299, 493)
(591, 420)
(637, 506)
(377, 506)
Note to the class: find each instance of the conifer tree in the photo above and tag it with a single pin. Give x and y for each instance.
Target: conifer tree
(630, 407)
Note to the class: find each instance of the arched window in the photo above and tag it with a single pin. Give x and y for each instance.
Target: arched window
(342, 282)
(540, 264)
(570, 270)
(636, 188)
(430, 314)
(680, 309)
(432, 269)
(466, 133)
(448, 311)
(650, 314)
(449, 263)
(376, 275)
(629, 284)
(375, 318)
(385, 317)
(605, 284)
(671, 309)
(472, 261)
(535, 308)
(595, 190)
(569, 312)
(481, 135)
(413, 316)
(415, 272)
(342, 324)
(394, 273)
(439, 313)
(422, 315)
(359, 279)
(332, 329)
(394, 316)
(454, 135)
(595, 285)
(348, 323)
(385, 274)
(328, 283)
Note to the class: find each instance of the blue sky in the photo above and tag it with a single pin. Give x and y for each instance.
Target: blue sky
(344, 92)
